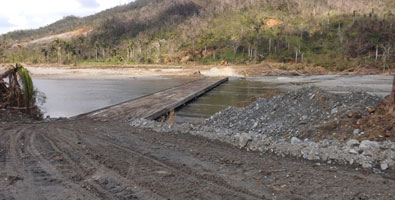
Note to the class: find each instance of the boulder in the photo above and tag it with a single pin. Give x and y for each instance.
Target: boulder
(384, 166)
(295, 140)
(244, 139)
(367, 144)
(353, 151)
(352, 143)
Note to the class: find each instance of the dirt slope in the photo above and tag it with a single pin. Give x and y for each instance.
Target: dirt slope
(48, 39)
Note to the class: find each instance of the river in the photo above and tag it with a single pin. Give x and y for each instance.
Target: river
(71, 97)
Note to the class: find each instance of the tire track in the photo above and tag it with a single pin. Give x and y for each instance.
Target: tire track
(71, 189)
(19, 167)
(96, 175)
(72, 170)
(5, 176)
(209, 180)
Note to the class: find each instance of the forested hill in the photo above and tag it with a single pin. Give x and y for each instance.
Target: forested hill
(335, 34)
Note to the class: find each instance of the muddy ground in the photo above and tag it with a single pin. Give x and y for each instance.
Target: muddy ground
(95, 160)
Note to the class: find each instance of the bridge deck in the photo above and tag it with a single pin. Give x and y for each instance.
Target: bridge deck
(157, 104)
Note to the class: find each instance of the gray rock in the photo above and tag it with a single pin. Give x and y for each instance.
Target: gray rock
(356, 131)
(311, 156)
(244, 139)
(384, 166)
(366, 165)
(262, 126)
(295, 140)
(353, 151)
(352, 142)
(367, 144)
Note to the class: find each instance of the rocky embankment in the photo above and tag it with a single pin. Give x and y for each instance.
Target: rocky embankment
(288, 125)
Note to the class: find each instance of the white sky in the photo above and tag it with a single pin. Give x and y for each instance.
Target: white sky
(30, 14)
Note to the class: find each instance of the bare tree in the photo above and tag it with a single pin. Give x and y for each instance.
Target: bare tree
(393, 91)
(97, 45)
(386, 55)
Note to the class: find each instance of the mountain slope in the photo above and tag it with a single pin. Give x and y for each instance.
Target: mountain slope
(335, 34)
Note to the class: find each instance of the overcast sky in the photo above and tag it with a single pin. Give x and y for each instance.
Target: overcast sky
(28, 14)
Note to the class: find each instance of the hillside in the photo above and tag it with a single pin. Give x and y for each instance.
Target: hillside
(335, 34)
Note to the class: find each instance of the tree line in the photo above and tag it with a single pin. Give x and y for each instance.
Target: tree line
(329, 33)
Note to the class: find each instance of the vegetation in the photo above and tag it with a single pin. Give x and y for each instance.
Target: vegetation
(18, 91)
(27, 85)
(335, 34)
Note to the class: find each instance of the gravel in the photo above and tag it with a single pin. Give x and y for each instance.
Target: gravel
(380, 155)
(278, 125)
(297, 113)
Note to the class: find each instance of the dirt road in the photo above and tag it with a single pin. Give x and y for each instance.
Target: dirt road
(110, 160)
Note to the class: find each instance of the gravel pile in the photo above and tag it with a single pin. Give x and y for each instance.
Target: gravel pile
(368, 154)
(277, 125)
(296, 113)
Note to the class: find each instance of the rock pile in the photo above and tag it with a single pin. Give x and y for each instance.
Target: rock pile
(277, 125)
(298, 113)
(367, 154)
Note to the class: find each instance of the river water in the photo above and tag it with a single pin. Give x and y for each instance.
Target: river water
(67, 98)
(71, 97)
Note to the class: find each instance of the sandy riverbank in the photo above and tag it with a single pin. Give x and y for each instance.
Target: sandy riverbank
(265, 69)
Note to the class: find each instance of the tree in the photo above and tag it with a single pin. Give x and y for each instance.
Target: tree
(68, 49)
(235, 42)
(131, 46)
(45, 52)
(58, 44)
(2, 50)
(97, 46)
(104, 46)
(386, 55)
(139, 44)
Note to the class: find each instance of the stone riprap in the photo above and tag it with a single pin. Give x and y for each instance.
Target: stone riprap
(274, 125)
(297, 113)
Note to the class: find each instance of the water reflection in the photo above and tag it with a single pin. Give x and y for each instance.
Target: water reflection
(67, 98)
(227, 94)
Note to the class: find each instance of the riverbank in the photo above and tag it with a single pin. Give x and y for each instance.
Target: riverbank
(228, 153)
(335, 124)
(256, 70)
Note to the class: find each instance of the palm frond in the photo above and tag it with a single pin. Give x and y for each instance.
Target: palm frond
(27, 84)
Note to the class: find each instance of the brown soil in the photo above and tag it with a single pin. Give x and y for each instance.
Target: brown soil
(110, 160)
(64, 36)
(10, 115)
(21, 115)
(378, 125)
